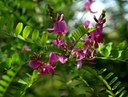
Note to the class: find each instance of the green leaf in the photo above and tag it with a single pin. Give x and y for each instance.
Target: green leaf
(102, 70)
(19, 28)
(113, 80)
(116, 85)
(22, 82)
(78, 33)
(109, 75)
(116, 53)
(122, 93)
(105, 82)
(10, 72)
(35, 74)
(35, 35)
(107, 50)
(44, 38)
(1, 89)
(26, 31)
(7, 78)
(3, 83)
(110, 92)
(119, 91)
(124, 54)
(122, 45)
(21, 37)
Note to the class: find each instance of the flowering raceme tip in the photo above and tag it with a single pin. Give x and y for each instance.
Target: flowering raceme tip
(87, 5)
(60, 26)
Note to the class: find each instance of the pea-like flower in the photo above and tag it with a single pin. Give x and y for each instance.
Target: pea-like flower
(59, 42)
(63, 58)
(47, 68)
(60, 26)
(53, 57)
(35, 61)
(87, 5)
(34, 64)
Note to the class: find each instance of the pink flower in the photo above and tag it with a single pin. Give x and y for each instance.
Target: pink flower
(87, 5)
(47, 69)
(35, 61)
(86, 23)
(53, 57)
(60, 26)
(79, 64)
(59, 42)
(26, 48)
(63, 58)
(34, 64)
(79, 53)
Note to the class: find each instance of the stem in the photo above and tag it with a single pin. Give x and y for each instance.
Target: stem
(88, 85)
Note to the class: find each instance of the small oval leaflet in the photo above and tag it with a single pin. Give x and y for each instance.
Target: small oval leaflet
(19, 28)
(26, 31)
(35, 35)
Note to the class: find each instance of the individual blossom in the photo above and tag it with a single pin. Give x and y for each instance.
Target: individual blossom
(34, 64)
(53, 57)
(60, 26)
(87, 5)
(63, 58)
(25, 48)
(47, 68)
(79, 64)
(78, 53)
(59, 42)
(35, 61)
(86, 23)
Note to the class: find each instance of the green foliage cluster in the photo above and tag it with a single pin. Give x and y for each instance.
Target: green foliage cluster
(25, 22)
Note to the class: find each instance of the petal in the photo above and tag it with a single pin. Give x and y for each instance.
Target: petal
(47, 69)
(86, 23)
(63, 58)
(34, 64)
(53, 57)
(96, 44)
(50, 29)
(79, 64)
(76, 49)
(87, 5)
(59, 42)
(60, 17)
(81, 55)
(60, 27)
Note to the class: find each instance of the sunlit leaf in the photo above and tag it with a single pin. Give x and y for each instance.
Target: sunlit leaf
(19, 28)
(26, 31)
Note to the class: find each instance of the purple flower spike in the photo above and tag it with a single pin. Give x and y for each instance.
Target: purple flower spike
(63, 58)
(34, 64)
(47, 69)
(60, 26)
(53, 57)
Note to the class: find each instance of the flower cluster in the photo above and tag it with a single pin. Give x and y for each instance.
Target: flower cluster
(46, 68)
(86, 53)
